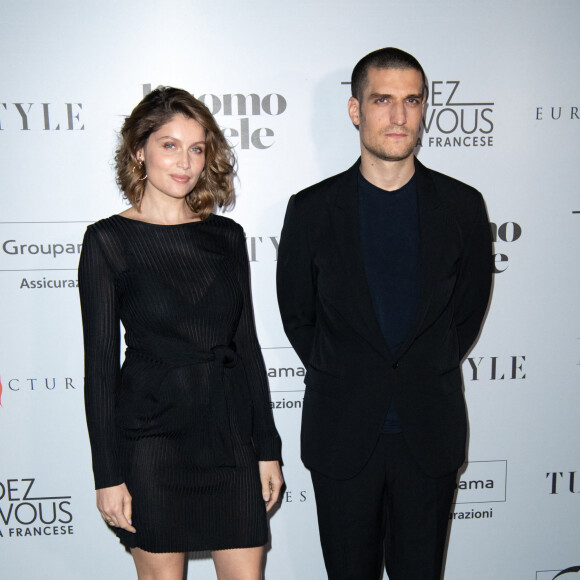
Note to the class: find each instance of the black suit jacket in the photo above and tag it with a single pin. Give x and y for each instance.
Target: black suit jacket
(330, 321)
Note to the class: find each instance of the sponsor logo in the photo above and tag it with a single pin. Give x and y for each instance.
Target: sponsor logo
(42, 384)
(285, 403)
(48, 283)
(481, 482)
(560, 113)
(472, 515)
(285, 372)
(263, 248)
(286, 378)
(295, 496)
(241, 113)
(452, 120)
(501, 234)
(15, 386)
(41, 116)
(44, 254)
(16, 248)
(26, 511)
(567, 574)
(495, 368)
(563, 482)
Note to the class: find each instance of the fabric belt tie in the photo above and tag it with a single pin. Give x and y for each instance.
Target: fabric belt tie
(228, 386)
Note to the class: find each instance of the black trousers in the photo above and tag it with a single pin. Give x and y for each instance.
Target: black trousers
(390, 511)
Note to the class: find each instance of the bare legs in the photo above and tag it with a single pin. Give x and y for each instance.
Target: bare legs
(242, 564)
(158, 566)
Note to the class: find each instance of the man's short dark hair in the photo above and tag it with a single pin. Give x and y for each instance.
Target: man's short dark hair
(384, 58)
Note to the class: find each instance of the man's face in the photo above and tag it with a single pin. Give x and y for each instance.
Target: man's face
(389, 113)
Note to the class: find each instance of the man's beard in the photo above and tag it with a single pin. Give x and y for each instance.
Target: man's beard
(384, 155)
(379, 151)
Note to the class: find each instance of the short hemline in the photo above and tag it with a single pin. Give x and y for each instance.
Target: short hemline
(198, 549)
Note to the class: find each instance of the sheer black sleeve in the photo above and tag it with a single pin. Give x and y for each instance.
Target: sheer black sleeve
(266, 439)
(101, 335)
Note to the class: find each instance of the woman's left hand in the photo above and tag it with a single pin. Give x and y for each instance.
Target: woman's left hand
(272, 481)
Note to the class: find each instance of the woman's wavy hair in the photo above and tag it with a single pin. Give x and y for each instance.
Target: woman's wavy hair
(215, 184)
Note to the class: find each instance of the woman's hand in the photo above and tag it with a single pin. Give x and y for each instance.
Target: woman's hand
(272, 481)
(114, 503)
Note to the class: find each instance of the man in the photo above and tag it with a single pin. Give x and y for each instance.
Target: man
(384, 275)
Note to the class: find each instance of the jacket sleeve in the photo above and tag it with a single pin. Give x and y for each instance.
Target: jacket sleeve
(101, 335)
(473, 286)
(264, 434)
(296, 283)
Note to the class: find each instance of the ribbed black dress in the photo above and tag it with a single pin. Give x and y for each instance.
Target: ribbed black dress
(186, 418)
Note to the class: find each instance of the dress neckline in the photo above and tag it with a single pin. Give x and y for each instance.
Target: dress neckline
(163, 225)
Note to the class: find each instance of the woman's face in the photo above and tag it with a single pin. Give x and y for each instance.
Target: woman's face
(174, 157)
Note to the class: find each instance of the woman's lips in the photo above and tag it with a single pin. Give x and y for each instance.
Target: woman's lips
(180, 178)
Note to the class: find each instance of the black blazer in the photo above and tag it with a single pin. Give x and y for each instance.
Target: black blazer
(330, 321)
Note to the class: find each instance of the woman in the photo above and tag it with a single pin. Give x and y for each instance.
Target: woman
(185, 451)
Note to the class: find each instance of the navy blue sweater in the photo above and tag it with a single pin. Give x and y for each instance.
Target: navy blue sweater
(389, 232)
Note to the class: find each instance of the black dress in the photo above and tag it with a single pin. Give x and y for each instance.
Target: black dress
(185, 420)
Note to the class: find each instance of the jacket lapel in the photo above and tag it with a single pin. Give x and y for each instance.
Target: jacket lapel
(347, 236)
(432, 218)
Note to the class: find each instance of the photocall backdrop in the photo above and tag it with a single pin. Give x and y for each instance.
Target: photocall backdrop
(503, 115)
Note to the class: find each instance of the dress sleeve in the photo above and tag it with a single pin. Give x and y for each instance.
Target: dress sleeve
(101, 335)
(264, 434)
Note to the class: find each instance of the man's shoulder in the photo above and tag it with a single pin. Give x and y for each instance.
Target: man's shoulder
(325, 191)
(463, 201)
(453, 190)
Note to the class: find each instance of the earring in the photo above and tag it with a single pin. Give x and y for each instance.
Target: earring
(139, 168)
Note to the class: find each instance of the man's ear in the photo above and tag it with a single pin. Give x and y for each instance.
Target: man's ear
(354, 111)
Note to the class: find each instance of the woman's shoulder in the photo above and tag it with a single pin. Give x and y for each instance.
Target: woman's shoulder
(227, 225)
(107, 231)
(225, 222)
(106, 224)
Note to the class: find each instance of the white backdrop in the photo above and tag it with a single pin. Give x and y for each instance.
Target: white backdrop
(503, 116)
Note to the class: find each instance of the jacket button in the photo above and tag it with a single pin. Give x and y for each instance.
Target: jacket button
(396, 365)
